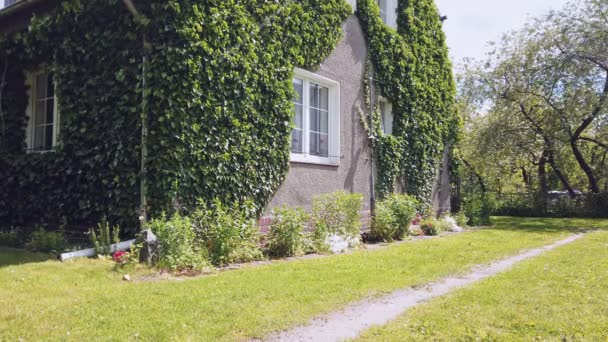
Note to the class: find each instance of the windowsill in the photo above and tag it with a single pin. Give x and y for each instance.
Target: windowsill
(40, 151)
(316, 160)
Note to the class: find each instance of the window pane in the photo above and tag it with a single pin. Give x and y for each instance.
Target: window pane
(50, 111)
(319, 144)
(296, 133)
(319, 120)
(41, 82)
(296, 141)
(314, 123)
(39, 113)
(50, 87)
(48, 137)
(39, 138)
(319, 97)
(324, 145)
(324, 122)
(298, 86)
(324, 98)
(314, 95)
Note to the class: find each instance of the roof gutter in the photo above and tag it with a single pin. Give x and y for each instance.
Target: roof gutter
(143, 202)
(19, 6)
(131, 7)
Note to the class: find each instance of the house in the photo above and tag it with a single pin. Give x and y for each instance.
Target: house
(202, 94)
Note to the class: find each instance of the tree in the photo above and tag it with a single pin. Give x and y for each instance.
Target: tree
(544, 93)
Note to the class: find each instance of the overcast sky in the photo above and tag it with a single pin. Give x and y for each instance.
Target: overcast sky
(473, 23)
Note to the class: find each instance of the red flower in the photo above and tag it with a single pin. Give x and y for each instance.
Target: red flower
(120, 257)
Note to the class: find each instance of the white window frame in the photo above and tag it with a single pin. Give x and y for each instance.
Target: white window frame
(387, 122)
(30, 111)
(333, 130)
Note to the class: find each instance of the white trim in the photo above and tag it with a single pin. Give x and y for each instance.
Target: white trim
(333, 129)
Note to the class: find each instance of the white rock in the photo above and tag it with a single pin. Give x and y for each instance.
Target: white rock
(453, 226)
(337, 244)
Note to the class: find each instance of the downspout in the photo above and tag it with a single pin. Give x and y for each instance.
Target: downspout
(144, 128)
(372, 180)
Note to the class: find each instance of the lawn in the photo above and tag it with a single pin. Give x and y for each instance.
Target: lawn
(86, 300)
(559, 296)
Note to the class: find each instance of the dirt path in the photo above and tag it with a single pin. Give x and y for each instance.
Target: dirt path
(360, 316)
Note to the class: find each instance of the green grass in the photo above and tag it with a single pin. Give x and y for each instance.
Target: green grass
(559, 296)
(85, 299)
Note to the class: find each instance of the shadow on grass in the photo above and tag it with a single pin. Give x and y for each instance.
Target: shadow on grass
(12, 256)
(548, 225)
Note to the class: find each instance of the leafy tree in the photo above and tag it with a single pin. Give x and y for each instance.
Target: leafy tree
(543, 93)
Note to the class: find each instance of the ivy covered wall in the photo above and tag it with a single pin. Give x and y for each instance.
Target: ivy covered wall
(218, 100)
(218, 89)
(412, 70)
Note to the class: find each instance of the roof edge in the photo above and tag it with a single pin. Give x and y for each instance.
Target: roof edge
(19, 6)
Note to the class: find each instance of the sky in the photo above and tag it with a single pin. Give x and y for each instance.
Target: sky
(472, 24)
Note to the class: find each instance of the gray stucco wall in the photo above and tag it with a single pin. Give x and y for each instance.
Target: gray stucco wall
(345, 65)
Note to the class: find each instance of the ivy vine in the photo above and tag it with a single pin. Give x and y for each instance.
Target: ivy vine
(219, 91)
(218, 88)
(412, 70)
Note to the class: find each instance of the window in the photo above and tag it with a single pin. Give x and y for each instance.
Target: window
(353, 4)
(43, 113)
(383, 10)
(388, 12)
(315, 137)
(386, 115)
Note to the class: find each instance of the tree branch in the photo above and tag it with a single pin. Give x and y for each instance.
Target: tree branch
(597, 142)
(596, 111)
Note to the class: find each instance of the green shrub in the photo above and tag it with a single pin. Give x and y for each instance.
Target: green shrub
(461, 219)
(337, 213)
(478, 209)
(11, 238)
(229, 233)
(287, 237)
(178, 246)
(404, 210)
(384, 227)
(47, 242)
(393, 217)
(104, 237)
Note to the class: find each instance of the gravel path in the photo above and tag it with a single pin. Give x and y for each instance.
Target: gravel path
(360, 316)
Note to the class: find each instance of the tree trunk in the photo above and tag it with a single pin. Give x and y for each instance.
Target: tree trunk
(525, 177)
(482, 185)
(542, 181)
(560, 175)
(593, 186)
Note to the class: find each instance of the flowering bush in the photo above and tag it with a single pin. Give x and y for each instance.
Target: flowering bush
(430, 226)
(417, 219)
